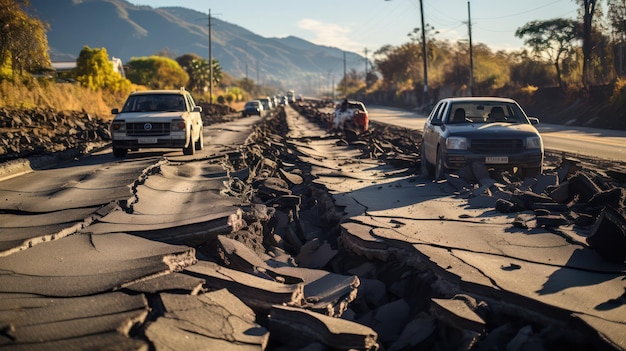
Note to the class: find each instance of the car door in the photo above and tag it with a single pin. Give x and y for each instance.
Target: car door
(196, 118)
(432, 129)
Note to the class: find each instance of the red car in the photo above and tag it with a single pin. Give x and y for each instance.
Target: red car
(354, 116)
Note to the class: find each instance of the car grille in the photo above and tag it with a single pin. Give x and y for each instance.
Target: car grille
(155, 129)
(497, 146)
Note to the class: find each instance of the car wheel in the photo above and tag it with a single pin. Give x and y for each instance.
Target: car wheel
(190, 149)
(426, 168)
(440, 169)
(531, 172)
(200, 142)
(119, 152)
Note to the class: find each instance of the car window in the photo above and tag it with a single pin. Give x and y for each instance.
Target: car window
(192, 104)
(438, 113)
(434, 111)
(154, 103)
(486, 112)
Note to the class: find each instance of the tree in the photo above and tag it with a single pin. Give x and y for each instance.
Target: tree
(589, 7)
(248, 85)
(23, 41)
(617, 19)
(526, 71)
(217, 71)
(552, 38)
(399, 66)
(95, 71)
(157, 72)
(352, 82)
(199, 71)
(199, 74)
(185, 62)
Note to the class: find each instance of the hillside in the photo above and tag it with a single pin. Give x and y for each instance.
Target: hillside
(127, 31)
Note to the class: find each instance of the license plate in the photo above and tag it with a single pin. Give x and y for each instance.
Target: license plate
(500, 160)
(147, 141)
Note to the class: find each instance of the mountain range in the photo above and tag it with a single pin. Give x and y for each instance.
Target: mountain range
(127, 30)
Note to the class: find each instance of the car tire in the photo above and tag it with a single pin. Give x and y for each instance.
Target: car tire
(440, 169)
(120, 152)
(200, 142)
(426, 168)
(190, 149)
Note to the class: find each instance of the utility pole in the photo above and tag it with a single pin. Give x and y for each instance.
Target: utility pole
(424, 58)
(471, 55)
(345, 74)
(329, 83)
(365, 68)
(210, 63)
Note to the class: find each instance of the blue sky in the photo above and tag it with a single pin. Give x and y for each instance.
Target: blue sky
(355, 25)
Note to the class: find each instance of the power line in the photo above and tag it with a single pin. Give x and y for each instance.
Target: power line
(520, 13)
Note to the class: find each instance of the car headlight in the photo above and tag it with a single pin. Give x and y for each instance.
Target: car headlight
(534, 143)
(118, 126)
(178, 124)
(456, 143)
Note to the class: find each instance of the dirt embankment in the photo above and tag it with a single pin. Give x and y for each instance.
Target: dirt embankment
(585, 109)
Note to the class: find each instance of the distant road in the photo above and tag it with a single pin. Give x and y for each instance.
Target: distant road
(602, 143)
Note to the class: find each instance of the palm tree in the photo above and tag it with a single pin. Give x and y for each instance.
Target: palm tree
(200, 72)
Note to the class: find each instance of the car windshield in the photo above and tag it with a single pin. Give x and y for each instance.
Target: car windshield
(485, 112)
(155, 102)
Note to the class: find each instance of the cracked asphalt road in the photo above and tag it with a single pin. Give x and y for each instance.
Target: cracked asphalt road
(269, 235)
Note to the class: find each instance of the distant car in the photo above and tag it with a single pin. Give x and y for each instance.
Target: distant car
(493, 131)
(291, 96)
(267, 103)
(252, 107)
(350, 114)
(284, 101)
(157, 119)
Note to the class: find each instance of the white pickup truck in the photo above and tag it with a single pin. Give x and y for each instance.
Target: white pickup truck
(157, 119)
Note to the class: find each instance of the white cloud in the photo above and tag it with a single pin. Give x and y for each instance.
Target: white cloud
(329, 34)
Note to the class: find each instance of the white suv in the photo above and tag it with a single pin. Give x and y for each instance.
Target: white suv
(157, 119)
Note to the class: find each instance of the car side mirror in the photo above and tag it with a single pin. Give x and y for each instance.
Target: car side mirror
(533, 120)
(197, 109)
(436, 122)
(115, 111)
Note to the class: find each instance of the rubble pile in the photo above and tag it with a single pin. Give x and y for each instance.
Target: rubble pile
(565, 195)
(216, 113)
(31, 132)
(394, 145)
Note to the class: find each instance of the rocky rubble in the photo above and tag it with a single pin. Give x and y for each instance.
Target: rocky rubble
(32, 132)
(566, 194)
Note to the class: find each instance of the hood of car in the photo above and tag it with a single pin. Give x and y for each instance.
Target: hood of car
(485, 130)
(150, 115)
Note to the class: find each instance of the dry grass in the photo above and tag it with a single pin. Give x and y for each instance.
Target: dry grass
(58, 96)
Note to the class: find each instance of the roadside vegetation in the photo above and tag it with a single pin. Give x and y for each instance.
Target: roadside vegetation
(564, 62)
